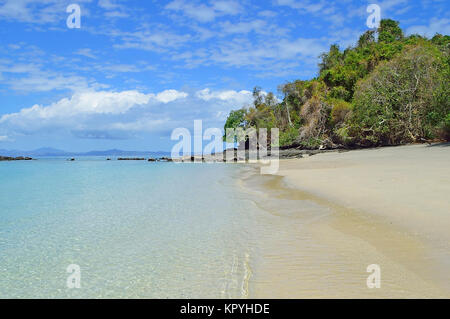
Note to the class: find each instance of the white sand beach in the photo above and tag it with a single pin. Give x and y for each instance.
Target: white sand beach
(387, 206)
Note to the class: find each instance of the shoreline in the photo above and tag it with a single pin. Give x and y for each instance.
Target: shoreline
(366, 197)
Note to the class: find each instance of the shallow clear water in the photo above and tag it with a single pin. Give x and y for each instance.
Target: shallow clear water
(165, 230)
(136, 229)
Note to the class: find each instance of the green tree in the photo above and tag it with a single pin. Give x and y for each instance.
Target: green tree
(330, 59)
(236, 119)
(384, 91)
(389, 31)
(366, 39)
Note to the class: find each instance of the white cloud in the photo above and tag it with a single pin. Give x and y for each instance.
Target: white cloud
(307, 6)
(113, 9)
(227, 7)
(10, 67)
(16, 9)
(36, 11)
(90, 103)
(386, 5)
(203, 12)
(170, 96)
(140, 125)
(78, 104)
(124, 68)
(265, 55)
(156, 40)
(198, 12)
(259, 26)
(86, 52)
(39, 74)
(107, 4)
(441, 26)
(267, 13)
(3, 138)
(44, 82)
(242, 97)
(118, 115)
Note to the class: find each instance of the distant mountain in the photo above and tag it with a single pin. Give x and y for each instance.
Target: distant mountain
(116, 152)
(49, 152)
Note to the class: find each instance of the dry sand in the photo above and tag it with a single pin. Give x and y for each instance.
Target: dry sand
(333, 214)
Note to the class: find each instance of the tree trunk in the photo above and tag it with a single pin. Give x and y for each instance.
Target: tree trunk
(288, 114)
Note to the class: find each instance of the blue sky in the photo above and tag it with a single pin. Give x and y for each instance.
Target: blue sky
(136, 70)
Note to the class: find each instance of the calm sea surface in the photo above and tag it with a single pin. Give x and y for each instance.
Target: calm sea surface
(135, 229)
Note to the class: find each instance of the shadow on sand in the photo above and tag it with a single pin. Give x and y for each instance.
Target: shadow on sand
(447, 144)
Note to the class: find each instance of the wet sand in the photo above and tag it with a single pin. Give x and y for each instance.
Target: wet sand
(332, 215)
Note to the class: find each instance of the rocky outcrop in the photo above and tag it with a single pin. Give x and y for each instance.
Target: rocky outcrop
(131, 159)
(246, 156)
(160, 159)
(20, 158)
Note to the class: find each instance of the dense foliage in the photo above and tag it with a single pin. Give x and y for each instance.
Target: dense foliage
(387, 90)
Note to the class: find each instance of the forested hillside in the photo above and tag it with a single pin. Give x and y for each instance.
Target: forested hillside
(386, 90)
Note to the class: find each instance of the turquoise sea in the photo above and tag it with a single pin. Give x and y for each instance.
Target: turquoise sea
(136, 229)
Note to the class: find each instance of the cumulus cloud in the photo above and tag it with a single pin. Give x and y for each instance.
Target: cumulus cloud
(84, 104)
(170, 96)
(121, 115)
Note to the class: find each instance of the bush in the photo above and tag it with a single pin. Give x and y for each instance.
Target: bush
(393, 105)
(342, 135)
(311, 143)
(315, 114)
(289, 136)
(444, 132)
(340, 111)
(340, 92)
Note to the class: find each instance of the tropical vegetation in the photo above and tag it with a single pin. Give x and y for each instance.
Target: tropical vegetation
(389, 89)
